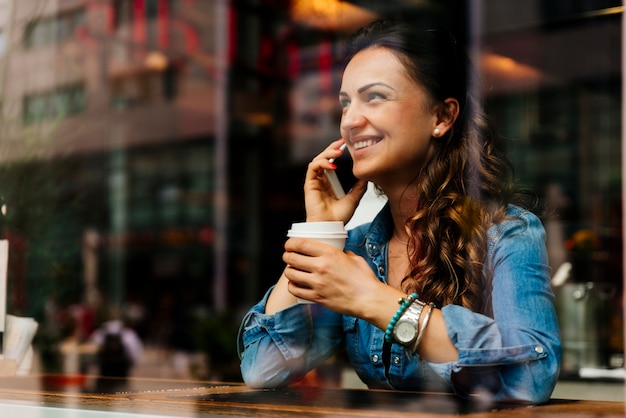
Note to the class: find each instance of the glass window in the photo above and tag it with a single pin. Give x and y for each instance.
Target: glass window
(155, 167)
(554, 87)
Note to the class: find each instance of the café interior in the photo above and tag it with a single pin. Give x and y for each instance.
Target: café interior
(152, 156)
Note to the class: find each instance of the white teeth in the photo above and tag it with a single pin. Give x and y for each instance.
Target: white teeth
(364, 144)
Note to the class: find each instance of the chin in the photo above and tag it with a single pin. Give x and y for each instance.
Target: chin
(366, 177)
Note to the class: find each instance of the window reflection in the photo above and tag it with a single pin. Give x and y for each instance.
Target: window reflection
(110, 171)
(563, 116)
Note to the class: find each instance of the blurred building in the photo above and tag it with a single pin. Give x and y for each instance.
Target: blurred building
(115, 101)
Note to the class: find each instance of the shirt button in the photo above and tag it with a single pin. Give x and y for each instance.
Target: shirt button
(396, 360)
(381, 270)
(372, 247)
(539, 349)
(375, 358)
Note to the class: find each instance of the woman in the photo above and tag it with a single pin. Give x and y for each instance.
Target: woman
(448, 287)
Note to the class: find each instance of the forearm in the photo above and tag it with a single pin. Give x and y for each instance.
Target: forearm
(436, 345)
(280, 298)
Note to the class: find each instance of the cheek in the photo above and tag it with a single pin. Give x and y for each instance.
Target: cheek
(415, 133)
(419, 123)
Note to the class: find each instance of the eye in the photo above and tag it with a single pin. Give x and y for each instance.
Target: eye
(375, 96)
(344, 103)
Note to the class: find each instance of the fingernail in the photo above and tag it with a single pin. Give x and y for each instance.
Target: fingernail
(333, 165)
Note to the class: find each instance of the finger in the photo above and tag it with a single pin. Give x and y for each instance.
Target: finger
(299, 291)
(315, 169)
(302, 249)
(296, 261)
(358, 190)
(337, 149)
(298, 281)
(331, 152)
(295, 276)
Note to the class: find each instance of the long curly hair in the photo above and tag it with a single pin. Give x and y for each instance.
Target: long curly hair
(467, 183)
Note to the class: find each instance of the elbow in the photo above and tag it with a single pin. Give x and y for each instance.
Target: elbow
(545, 386)
(261, 374)
(264, 365)
(254, 375)
(257, 381)
(545, 374)
(268, 379)
(529, 383)
(536, 382)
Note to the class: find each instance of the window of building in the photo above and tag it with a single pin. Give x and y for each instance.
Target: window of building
(53, 29)
(59, 103)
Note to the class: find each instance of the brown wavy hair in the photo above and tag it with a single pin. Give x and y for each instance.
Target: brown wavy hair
(467, 183)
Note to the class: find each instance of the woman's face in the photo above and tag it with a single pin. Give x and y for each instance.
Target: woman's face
(387, 118)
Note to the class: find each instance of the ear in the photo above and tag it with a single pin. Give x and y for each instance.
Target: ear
(447, 113)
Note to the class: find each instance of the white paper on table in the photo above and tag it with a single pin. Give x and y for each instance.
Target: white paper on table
(24, 367)
(18, 337)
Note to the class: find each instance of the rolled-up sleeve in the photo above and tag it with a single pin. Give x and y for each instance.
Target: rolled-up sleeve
(513, 351)
(279, 349)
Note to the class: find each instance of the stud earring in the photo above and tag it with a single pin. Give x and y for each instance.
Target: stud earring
(436, 132)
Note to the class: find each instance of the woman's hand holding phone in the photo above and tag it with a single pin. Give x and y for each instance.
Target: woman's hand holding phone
(331, 176)
(322, 190)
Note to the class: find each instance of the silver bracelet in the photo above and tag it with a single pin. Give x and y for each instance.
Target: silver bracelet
(420, 334)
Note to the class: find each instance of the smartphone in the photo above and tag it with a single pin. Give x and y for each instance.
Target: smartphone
(342, 175)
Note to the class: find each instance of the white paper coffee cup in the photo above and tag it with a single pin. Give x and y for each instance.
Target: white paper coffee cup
(331, 233)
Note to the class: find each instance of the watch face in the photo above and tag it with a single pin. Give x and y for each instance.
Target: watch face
(405, 332)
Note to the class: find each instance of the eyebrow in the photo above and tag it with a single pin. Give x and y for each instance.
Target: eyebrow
(367, 87)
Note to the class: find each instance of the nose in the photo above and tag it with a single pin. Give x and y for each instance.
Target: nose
(352, 117)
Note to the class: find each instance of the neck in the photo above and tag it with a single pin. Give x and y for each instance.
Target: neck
(402, 205)
(401, 241)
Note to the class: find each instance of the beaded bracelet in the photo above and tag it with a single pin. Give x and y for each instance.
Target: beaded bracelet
(420, 333)
(404, 304)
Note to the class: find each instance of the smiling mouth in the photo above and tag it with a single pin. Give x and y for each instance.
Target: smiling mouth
(364, 144)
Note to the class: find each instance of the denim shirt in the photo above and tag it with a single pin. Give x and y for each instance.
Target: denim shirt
(512, 352)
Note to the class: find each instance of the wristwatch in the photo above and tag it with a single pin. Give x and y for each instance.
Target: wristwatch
(406, 329)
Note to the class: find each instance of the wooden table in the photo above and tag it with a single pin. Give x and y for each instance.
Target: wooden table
(172, 398)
